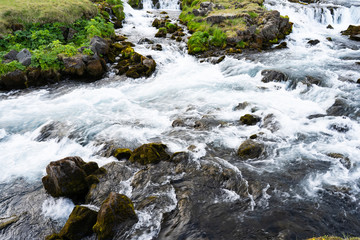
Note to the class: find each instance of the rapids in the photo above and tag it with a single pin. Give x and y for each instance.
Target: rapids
(304, 192)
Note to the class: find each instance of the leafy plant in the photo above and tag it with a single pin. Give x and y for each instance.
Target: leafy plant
(198, 42)
(218, 38)
(9, 67)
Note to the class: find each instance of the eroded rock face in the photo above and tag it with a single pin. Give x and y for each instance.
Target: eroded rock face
(68, 177)
(115, 217)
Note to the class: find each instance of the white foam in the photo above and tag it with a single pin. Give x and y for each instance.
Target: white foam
(57, 209)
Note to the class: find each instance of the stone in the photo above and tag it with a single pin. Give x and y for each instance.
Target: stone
(122, 153)
(249, 119)
(178, 123)
(161, 33)
(313, 42)
(67, 178)
(79, 223)
(250, 149)
(145, 40)
(329, 27)
(157, 47)
(74, 66)
(273, 76)
(355, 37)
(95, 68)
(241, 106)
(345, 161)
(13, 80)
(11, 56)
(24, 57)
(4, 222)
(339, 108)
(151, 153)
(115, 217)
(99, 46)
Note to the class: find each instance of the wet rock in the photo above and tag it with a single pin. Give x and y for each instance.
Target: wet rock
(115, 217)
(151, 153)
(281, 45)
(249, 119)
(52, 130)
(13, 80)
(273, 76)
(4, 222)
(178, 123)
(145, 40)
(342, 128)
(67, 178)
(345, 161)
(271, 123)
(99, 46)
(329, 27)
(312, 80)
(313, 42)
(74, 66)
(161, 33)
(122, 153)
(207, 122)
(157, 47)
(24, 57)
(329, 39)
(137, 4)
(250, 149)
(241, 106)
(355, 37)
(319, 115)
(274, 26)
(96, 68)
(339, 108)
(10, 56)
(78, 225)
(37, 77)
(352, 31)
(179, 156)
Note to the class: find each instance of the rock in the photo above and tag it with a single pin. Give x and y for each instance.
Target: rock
(329, 39)
(96, 68)
(37, 77)
(74, 66)
(151, 153)
(52, 130)
(115, 217)
(122, 153)
(13, 80)
(241, 106)
(313, 42)
(4, 222)
(339, 108)
(329, 27)
(249, 119)
(78, 225)
(342, 128)
(137, 4)
(351, 30)
(313, 80)
(272, 75)
(161, 33)
(178, 123)
(157, 47)
(355, 37)
(10, 56)
(271, 123)
(250, 149)
(67, 178)
(274, 26)
(99, 46)
(145, 40)
(281, 45)
(345, 161)
(24, 57)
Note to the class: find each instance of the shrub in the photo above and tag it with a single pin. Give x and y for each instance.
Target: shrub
(9, 67)
(218, 38)
(198, 42)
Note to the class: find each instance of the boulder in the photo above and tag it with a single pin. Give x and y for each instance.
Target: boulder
(115, 217)
(68, 178)
(157, 47)
(74, 66)
(149, 154)
(273, 76)
(99, 46)
(161, 33)
(95, 68)
(249, 119)
(24, 57)
(339, 108)
(13, 80)
(122, 153)
(313, 42)
(78, 225)
(351, 30)
(10, 56)
(250, 149)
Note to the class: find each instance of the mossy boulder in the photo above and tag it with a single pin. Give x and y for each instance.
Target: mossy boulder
(136, 4)
(115, 217)
(249, 119)
(122, 153)
(150, 154)
(78, 225)
(353, 32)
(68, 178)
(250, 149)
(161, 33)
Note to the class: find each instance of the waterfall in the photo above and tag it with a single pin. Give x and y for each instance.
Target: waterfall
(161, 4)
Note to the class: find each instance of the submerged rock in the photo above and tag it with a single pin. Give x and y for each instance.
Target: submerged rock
(313, 42)
(149, 154)
(250, 149)
(68, 178)
(78, 225)
(115, 217)
(273, 76)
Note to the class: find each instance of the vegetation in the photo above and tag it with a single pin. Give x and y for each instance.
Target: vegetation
(334, 238)
(40, 26)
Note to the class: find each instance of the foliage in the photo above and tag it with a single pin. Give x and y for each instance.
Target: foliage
(253, 14)
(9, 67)
(218, 38)
(98, 27)
(198, 42)
(241, 44)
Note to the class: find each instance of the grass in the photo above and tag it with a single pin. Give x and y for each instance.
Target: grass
(41, 11)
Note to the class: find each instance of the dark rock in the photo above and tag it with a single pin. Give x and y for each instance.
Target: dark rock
(272, 75)
(96, 68)
(24, 57)
(241, 106)
(145, 40)
(313, 42)
(99, 46)
(161, 33)
(340, 108)
(179, 156)
(157, 47)
(343, 128)
(319, 115)
(250, 149)
(249, 119)
(178, 123)
(281, 45)
(122, 153)
(312, 80)
(274, 26)
(351, 30)
(37, 77)
(271, 123)
(149, 154)
(74, 66)
(329, 39)
(13, 80)
(115, 217)
(11, 56)
(78, 225)
(329, 27)
(355, 37)
(52, 130)
(67, 178)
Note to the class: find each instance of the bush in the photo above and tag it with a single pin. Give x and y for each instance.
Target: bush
(218, 38)
(9, 67)
(198, 42)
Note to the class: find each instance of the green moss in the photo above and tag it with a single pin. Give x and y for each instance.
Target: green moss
(171, 28)
(54, 236)
(10, 67)
(122, 153)
(242, 44)
(249, 119)
(253, 14)
(149, 154)
(127, 52)
(198, 42)
(275, 40)
(135, 4)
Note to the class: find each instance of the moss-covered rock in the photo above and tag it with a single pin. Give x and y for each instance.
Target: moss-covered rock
(67, 178)
(136, 4)
(353, 32)
(122, 153)
(249, 119)
(115, 216)
(161, 33)
(150, 154)
(250, 149)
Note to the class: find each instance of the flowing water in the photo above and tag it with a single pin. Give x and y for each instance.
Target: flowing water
(305, 192)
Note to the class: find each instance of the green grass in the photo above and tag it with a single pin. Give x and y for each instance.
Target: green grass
(43, 11)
